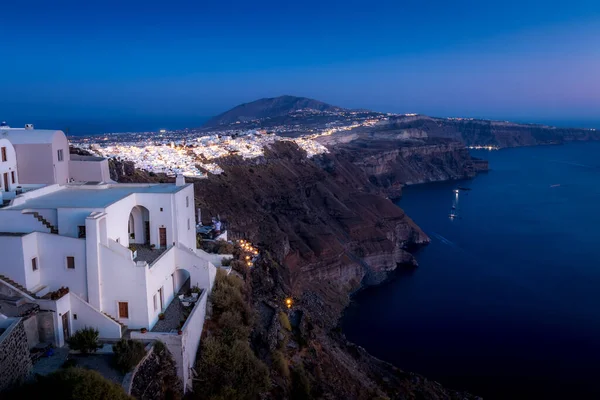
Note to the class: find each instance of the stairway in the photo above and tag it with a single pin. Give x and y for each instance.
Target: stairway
(44, 221)
(18, 286)
(123, 326)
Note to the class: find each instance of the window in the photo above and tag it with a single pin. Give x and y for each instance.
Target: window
(34, 264)
(188, 224)
(123, 309)
(12, 175)
(70, 262)
(81, 231)
(155, 303)
(60, 154)
(4, 158)
(187, 201)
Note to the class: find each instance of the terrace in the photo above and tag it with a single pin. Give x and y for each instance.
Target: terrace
(176, 314)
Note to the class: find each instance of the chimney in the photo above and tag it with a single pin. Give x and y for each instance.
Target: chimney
(29, 127)
(179, 180)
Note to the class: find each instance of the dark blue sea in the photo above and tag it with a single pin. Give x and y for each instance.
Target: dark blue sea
(505, 302)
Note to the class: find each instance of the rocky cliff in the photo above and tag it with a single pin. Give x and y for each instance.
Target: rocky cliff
(325, 228)
(484, 132)
(390, 164)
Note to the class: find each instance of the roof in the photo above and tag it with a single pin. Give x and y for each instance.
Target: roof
(29, 136)
(99, 196)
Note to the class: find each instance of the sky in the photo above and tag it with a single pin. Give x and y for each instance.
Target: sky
(132, 65)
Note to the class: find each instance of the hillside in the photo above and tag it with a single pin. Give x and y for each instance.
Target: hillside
(269, 108)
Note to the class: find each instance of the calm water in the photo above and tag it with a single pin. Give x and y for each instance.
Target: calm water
(506, 301)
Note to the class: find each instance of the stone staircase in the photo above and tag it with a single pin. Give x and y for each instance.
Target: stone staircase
(44, 221)
(18, 286)
(123, 326)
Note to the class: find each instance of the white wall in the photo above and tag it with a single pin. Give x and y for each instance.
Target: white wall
(53, 252)
(49, 214)
(202, 272)
(70, 218)
(61, 167)
(118, 216)
(12, 264)
(16, 221)
(160, 275)
(88, 169)
(35, 163)
(9, 165)
(182, 214)
(192, 332)
(31, 250)
(88, 316)
(122, 280)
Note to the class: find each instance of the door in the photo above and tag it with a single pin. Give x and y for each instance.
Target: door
(147, 232)
(162, 234)
(65, 324)
(123, 309)
(6, 181)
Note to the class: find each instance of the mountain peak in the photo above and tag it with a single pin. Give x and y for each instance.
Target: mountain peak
(268, 108)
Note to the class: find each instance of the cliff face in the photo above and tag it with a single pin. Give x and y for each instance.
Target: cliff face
(391, 164)
(484, 132)
(323, 220)
(325, 229)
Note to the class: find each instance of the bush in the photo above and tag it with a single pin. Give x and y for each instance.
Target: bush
(232, 327)
(228, 295)
(70, 384)
(230, 371)
(281, 364)
(300, 384)
(85, 340)
(226, 262)
(128, 353)
(285, 321)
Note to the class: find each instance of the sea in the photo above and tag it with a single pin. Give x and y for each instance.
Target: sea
(505, 302)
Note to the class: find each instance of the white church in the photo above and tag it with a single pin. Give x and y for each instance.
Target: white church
(88, 252)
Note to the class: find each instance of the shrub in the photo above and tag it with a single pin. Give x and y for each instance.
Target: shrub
(195, 289)
(85, 340)
(70, 384)
(232, 327)
(281, 364)
(127, 354)
(226, 262)
(230, 371)
(224, 247)
(300, 384)
(228, 294)
(285, 321)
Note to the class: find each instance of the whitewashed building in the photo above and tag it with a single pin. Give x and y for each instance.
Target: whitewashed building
(42, 157)
(99, 254)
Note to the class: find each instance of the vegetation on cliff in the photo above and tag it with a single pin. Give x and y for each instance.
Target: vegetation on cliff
(227, 367)
(70, 384)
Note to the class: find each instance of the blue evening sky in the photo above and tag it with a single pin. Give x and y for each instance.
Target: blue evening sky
(126, 64)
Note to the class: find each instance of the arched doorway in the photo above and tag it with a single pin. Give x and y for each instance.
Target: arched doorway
(139, 225)
(181, 281)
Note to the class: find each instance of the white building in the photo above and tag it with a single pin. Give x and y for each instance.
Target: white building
(42, 156)
(8, 167)
(124, 251)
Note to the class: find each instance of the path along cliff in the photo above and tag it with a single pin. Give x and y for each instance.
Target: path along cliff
(326, 227)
